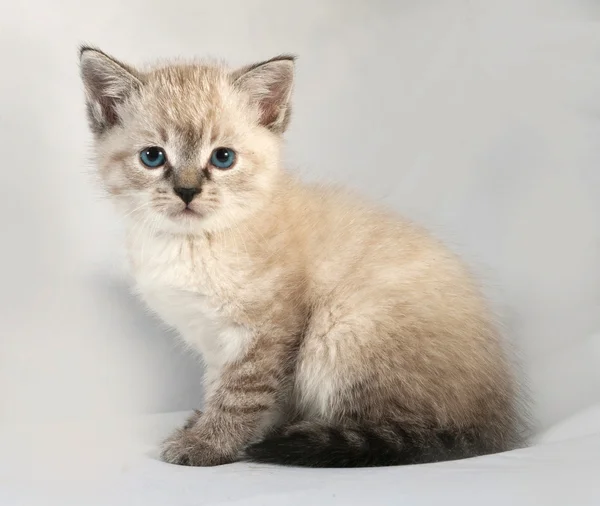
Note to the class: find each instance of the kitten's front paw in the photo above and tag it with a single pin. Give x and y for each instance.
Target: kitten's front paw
(185, 448)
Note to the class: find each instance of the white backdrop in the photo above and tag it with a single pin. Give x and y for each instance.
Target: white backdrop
(480, 119)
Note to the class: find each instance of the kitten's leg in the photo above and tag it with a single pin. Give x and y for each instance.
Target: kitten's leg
(192, 420)
(242, 407)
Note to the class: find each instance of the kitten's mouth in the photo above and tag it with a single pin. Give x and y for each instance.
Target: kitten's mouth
(186, 212)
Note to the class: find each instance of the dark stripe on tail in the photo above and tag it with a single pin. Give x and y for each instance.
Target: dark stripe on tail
(314, 445)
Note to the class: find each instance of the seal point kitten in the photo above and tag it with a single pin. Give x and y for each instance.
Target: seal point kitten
(334, 333)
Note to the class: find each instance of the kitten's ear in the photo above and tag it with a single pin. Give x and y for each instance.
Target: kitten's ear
(108, 83)
(269, 84)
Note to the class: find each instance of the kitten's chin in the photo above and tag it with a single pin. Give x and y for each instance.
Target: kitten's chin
(197, 220)
(185, 221)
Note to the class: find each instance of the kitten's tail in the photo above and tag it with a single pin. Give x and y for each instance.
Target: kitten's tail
(311, 444)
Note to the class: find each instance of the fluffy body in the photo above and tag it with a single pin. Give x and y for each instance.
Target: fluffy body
(333, 333)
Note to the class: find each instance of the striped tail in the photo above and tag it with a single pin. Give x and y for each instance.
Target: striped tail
(309, 444)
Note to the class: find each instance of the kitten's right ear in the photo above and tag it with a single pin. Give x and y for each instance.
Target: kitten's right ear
(108, 83)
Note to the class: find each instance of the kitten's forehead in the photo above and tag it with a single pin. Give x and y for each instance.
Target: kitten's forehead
(187, 99)
(175, 81)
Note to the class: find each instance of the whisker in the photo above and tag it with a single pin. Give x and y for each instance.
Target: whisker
(145, 204)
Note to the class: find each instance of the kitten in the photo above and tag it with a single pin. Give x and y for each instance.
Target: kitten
(334, 334)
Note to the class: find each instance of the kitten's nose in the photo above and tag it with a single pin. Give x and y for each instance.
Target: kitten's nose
(186, 194)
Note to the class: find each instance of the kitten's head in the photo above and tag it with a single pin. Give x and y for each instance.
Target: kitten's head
(187, 147)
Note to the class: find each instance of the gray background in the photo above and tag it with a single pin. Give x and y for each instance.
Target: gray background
(479, 119)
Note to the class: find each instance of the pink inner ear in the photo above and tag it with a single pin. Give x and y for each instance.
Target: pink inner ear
(269, 84)
(273, 103)
(109, 110)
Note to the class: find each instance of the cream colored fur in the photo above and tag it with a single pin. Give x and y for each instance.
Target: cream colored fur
(306, 303)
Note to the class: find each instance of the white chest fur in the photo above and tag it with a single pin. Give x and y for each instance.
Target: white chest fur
(176, 277)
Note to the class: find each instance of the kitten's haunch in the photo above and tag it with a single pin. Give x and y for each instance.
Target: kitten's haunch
(333, 333)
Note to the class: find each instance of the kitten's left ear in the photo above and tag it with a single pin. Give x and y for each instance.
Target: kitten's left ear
(108, 83)
(269, 85)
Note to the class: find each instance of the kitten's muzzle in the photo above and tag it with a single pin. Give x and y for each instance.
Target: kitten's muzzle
(186, 194)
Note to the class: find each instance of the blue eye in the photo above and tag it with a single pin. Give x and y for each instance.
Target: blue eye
(222, 158)
(153, 157)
